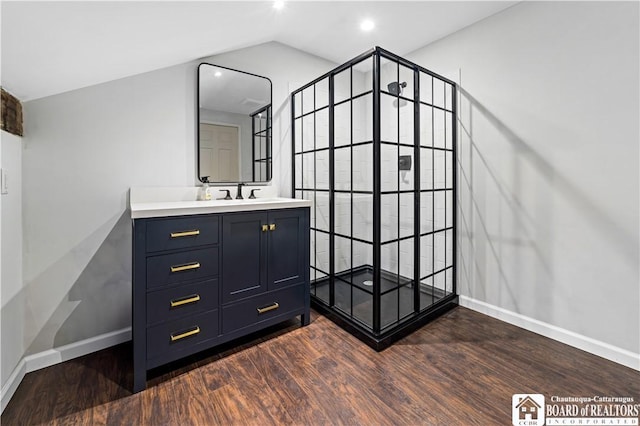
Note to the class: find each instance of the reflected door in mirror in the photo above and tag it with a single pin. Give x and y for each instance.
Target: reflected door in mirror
(219, 152)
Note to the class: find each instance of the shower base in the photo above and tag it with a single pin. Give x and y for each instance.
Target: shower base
(352, 294)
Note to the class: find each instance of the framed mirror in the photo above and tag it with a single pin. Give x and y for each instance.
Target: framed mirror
(234, 125)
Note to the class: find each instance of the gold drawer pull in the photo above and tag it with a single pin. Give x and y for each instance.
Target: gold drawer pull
(265, 228)
(185, 300)
(180, 268)
(271, 307)
(272, 227)
(185, 233)
(192, 332)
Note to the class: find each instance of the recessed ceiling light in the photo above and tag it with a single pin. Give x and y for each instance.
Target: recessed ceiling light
(279, 4)
(218, 74)
(367, 25)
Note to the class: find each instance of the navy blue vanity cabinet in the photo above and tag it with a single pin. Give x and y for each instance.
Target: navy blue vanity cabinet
(265, 268)
(288, 248)
(176, 290)
(244, 261)
(202, 280)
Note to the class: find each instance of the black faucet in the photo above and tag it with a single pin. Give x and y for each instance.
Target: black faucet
(239, 194)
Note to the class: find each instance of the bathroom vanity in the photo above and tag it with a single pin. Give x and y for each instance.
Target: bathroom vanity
(208, 272)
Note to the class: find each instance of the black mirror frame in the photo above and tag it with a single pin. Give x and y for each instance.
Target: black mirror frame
(197, 125)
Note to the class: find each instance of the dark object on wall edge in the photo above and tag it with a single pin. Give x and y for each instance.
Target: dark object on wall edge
(11, 117)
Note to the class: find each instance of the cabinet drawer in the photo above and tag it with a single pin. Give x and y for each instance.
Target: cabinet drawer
(262, 307)
(180, 267)
(182, 334)
(181, 301)
(168, 234)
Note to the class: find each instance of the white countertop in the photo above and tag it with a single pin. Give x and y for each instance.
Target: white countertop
(161, 202)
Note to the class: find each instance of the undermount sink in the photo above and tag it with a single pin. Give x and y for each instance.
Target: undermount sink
(261, 200)
(159, 202)
(246, 200)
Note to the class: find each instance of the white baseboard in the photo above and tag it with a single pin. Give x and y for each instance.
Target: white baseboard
(60, 354)
(74, 350)
(593, 346)
(12, 384)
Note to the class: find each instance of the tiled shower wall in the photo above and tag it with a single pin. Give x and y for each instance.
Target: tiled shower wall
(353, 171)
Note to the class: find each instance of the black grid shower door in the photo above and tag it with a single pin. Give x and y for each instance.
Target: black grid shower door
(374, 150)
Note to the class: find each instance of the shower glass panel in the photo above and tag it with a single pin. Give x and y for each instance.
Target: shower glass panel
(374, 149)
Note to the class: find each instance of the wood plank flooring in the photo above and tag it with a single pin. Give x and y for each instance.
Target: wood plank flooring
(460, 369)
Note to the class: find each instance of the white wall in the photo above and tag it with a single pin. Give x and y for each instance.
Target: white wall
(84, 149)
(548, 153)
(11, 290)
(2, 357)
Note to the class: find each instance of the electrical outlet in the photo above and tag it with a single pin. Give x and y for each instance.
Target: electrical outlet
(4, 186)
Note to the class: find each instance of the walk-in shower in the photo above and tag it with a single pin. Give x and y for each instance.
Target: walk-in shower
(374, 145)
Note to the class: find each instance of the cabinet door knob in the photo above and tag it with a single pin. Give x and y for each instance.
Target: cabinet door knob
(193, 331)
(188, 266)
(185, 300)
(265, 228)
(185, 233)
(272, 227)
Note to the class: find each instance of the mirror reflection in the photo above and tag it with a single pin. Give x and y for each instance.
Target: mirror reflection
(234, 120)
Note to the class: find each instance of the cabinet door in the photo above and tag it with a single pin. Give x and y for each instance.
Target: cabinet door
(288, 247)
(244, 267)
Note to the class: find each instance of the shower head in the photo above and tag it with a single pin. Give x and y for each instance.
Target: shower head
(395, 87)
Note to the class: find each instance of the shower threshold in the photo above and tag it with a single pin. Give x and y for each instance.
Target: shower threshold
(353, 294)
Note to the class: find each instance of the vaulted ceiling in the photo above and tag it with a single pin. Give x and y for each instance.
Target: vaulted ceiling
(51, 47)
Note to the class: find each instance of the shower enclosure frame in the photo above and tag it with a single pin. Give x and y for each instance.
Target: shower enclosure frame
(376, 335)
(260, 148)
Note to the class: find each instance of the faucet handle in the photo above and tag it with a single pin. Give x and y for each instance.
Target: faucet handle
(228, 196)
(253, 196)
(239, 194)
